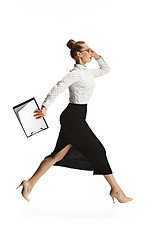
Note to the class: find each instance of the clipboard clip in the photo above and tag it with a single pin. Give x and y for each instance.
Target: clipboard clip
(36, 131)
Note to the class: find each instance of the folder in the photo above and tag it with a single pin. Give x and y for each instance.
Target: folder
(25, 114)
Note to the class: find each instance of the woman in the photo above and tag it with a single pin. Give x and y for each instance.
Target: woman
(77, 146)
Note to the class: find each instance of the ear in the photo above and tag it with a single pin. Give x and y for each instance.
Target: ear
(78, 53)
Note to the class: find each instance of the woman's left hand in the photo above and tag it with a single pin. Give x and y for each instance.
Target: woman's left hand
(94, 54)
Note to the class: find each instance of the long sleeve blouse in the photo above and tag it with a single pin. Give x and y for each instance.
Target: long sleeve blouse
(80, 81)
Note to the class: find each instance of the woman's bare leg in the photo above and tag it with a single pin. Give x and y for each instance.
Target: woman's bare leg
(46, 164)
(114, 185)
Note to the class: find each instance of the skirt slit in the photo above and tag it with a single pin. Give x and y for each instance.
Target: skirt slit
(86, 152)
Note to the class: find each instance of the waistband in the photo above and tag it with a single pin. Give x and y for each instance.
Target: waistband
(78, 104)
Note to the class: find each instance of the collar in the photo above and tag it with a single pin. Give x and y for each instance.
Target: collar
(80, 66)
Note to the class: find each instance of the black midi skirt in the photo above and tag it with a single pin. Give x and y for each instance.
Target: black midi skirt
(87, 152)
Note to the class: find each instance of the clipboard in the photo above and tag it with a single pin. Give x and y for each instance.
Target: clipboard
(25, 114)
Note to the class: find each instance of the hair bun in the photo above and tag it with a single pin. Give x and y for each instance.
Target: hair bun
(70, 43)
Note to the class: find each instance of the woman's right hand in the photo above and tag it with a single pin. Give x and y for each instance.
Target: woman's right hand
(40, 113)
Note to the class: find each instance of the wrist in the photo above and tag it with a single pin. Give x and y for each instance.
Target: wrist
(97, 57)
(44, 107)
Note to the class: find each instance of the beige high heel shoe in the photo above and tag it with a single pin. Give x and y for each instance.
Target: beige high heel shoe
(121, 199)
(26, 189)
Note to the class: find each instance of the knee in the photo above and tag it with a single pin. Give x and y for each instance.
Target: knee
(104, 150)
(53, 158)
(58, 157)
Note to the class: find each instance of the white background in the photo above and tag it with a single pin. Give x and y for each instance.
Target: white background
(123, 112)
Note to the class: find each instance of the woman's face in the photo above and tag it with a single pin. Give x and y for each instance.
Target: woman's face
(85, 54)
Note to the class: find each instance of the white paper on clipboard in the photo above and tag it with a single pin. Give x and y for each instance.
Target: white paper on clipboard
(25, 114)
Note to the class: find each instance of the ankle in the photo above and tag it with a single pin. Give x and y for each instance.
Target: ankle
(31, 183)
(116, 189)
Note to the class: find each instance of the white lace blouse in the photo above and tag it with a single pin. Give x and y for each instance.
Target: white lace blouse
(80, 81)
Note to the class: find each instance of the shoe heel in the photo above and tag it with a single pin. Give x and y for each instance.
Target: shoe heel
(19, 186)
(112, 199)
(112, 196)
(24, 193)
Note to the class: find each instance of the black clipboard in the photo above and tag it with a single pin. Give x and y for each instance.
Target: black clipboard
(25, 114)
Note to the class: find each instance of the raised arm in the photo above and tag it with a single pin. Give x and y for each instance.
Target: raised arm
(60, 86)
(103, 68)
